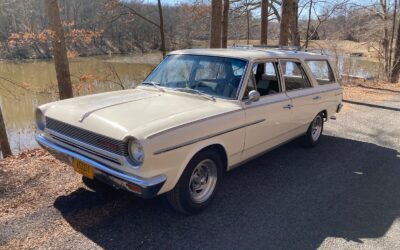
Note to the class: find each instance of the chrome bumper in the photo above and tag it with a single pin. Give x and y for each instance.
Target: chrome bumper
(146, 188)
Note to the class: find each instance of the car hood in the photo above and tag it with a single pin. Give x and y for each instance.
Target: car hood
(138, 112)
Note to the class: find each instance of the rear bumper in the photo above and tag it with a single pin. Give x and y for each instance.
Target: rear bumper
(145, 188)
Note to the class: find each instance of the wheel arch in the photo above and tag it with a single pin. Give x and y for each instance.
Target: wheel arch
(214, 145)
(221, 152)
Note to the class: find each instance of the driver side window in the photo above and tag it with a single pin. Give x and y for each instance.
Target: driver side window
(264, 78)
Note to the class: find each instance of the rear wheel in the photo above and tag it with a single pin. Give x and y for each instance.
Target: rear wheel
(314, 131)
(198, 184)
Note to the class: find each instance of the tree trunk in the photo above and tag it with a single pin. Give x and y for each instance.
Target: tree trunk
(248, 26)
(394, 78)
(285, 22)
(225, 22)
(308, 25)
(392, 37)
(264, 22)
(59, 50)
(160, 13)
(216, 11)
(4, 144)
(294, 27)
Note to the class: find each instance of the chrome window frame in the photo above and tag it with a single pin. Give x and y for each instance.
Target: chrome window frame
(306, 73)
(329, 66)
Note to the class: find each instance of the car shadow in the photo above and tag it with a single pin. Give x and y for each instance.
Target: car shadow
(292, 197)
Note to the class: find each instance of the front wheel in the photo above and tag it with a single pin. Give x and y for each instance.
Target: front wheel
(198, 184)
(314, 131)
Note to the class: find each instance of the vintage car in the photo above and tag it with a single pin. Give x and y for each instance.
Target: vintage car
(199, 114)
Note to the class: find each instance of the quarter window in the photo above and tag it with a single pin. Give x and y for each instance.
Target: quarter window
(294, 75)
(322, 71)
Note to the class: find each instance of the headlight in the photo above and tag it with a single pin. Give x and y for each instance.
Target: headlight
(136, 152)
(40, 119)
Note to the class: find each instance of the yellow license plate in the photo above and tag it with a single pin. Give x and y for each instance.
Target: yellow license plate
(83, 168)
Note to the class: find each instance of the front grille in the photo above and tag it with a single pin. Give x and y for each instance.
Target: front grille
(85, 136)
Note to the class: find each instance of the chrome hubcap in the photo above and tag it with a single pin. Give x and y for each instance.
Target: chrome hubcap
(203, 181)
(316, 128)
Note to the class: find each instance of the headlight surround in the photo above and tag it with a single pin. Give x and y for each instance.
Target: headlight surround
(40, 119)
(136, 152)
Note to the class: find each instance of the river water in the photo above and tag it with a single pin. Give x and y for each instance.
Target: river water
(25, 85)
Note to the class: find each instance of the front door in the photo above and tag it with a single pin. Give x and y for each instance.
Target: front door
(271, 113)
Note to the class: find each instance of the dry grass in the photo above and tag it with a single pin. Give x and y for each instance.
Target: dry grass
(370, 91)
(29, 179)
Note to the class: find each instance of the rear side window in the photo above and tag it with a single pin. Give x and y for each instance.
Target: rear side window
(294, 75)
(322, 71)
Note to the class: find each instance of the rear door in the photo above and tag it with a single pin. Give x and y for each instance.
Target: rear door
(326, 85)
(302, 94)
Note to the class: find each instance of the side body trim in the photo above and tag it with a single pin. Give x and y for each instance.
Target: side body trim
(205, 137)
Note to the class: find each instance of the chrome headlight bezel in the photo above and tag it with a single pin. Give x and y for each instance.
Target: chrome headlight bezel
(136, 152)
(40, 119)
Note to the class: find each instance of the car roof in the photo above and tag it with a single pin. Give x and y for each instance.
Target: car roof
(252, 53)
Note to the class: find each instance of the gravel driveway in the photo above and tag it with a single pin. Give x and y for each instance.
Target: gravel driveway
(343, 194)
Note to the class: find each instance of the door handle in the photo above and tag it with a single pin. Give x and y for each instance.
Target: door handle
(289, 106)
(316, 97)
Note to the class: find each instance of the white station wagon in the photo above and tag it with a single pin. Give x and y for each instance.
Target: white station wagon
(200, 113)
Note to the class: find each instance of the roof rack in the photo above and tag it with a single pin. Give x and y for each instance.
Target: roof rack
(293, 48)
(278, 47)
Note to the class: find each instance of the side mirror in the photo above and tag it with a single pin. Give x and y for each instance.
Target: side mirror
(254, 95)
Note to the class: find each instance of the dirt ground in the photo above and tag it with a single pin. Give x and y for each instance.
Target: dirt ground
(32, 181)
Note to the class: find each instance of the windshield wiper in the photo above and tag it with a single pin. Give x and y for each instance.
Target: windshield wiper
(195, 91)
(154, 84)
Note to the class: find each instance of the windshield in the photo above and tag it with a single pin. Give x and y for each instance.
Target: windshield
(210, 75)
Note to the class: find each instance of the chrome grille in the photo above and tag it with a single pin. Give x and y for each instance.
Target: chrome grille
(85, 136)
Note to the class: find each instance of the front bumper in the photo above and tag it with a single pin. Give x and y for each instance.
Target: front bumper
(145, 188)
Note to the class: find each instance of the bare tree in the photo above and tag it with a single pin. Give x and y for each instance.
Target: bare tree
(216, 11)
(4, 144)
(225, 24)
(160, 13)
(59, 50)
(294, 23)
(395, 72)
(286, 13)
(308, 24)
(392, 37)
(159, 25)
(264, 22)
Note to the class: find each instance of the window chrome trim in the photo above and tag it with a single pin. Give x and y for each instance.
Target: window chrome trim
(305, 72)
(167, 149)
(266, 104)
(329, 66)
(313, 93)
